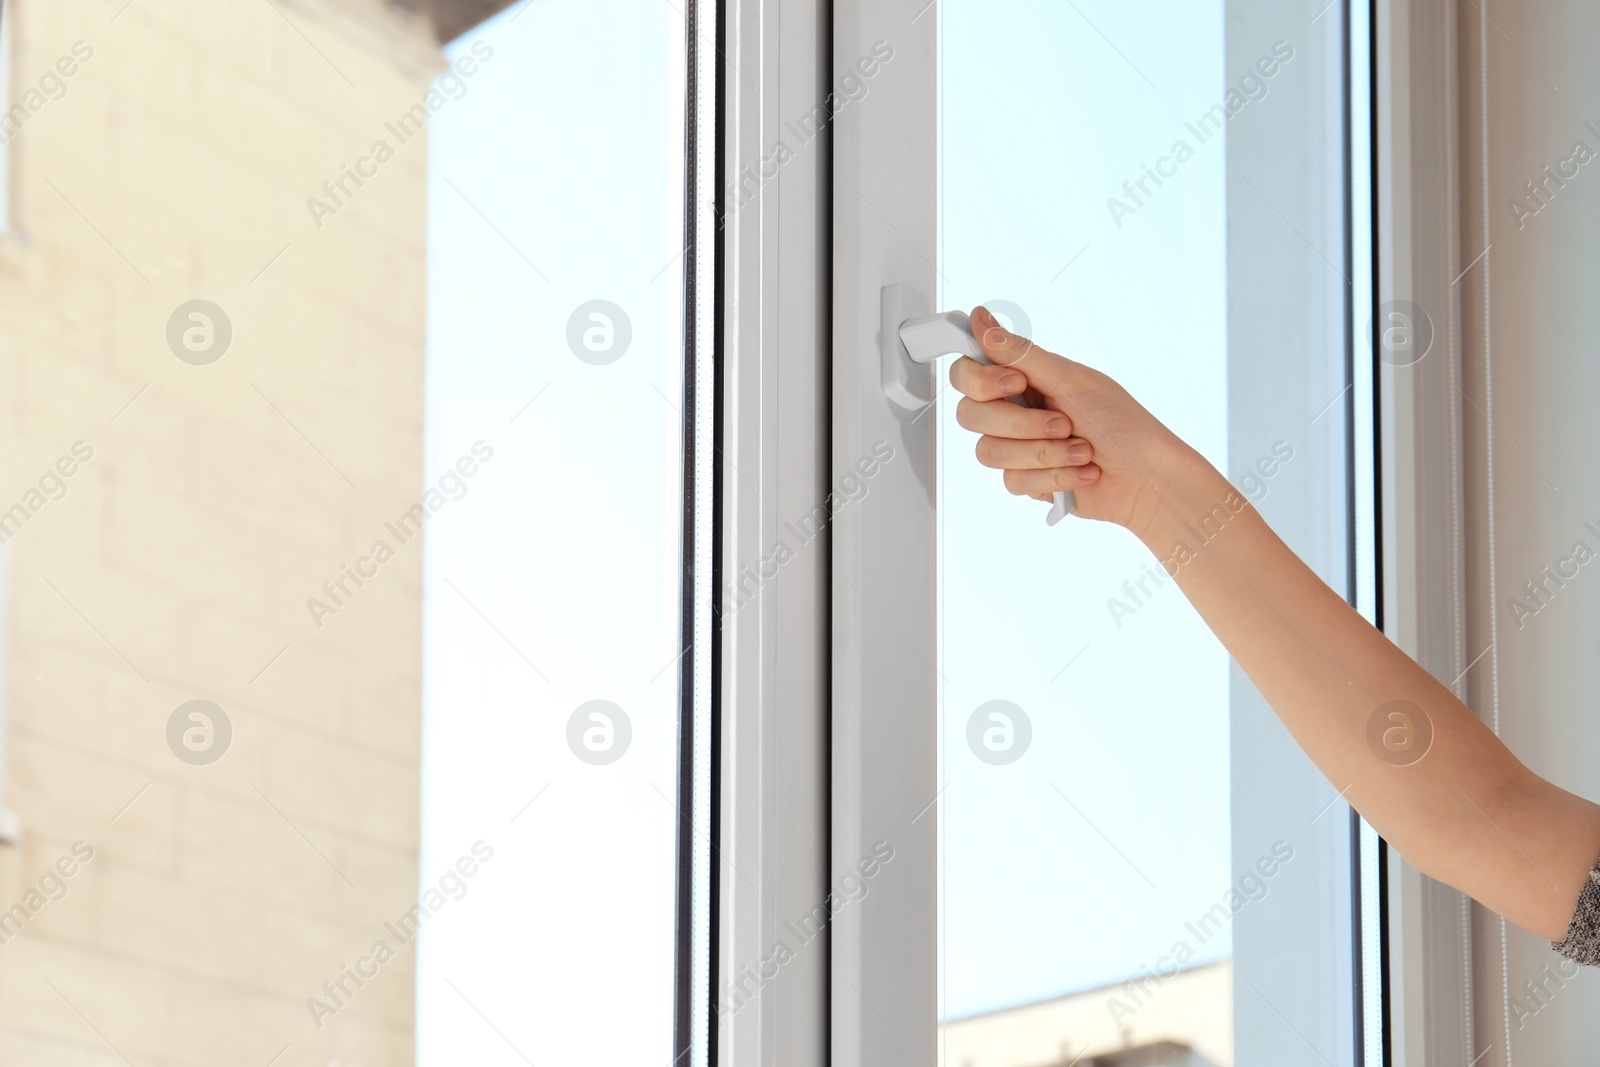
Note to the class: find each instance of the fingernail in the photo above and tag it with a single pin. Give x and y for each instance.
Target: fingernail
(1012, 381)
(1057, 428)
(1078, 453)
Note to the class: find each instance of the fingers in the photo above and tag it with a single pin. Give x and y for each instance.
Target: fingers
(985, 383)
(1041, 483)
(998, 343)
(1003, 453)
(1051, 374)
(1000, 418)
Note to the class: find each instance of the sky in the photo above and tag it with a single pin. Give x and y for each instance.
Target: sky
(1078, 864)
(555, 180)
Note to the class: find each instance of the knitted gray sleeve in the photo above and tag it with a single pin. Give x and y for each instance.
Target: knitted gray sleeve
(1583, 934)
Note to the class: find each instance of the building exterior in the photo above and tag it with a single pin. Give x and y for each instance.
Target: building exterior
(210, 401)
(1181, 1020)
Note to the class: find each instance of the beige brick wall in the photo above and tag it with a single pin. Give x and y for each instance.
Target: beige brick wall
(177, 566)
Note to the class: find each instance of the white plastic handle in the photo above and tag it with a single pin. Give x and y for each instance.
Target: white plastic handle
(931, 336)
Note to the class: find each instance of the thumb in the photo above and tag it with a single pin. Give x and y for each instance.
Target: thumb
(1047, 372)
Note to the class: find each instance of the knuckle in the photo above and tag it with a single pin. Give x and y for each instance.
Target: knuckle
(985, 450)
(972, 378)
(1044, 454)
(1013, 481)
(964, 413)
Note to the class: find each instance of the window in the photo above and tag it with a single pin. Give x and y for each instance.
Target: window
(552, 605)
(1117, 838)
(475, 566)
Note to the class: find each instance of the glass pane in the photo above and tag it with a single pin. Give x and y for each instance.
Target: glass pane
(342, 670)
(568, 752)
(1095, 869)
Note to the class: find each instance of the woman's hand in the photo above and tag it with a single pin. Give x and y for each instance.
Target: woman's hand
(1088, 436)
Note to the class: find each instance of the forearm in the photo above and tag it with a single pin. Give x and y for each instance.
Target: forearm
(1467, 811)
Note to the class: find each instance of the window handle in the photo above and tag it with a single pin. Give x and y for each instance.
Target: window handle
(927, 337)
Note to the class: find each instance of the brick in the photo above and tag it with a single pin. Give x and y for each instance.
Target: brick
(217, 900)
(316, 779)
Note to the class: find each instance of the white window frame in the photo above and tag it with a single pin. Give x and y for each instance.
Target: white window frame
(772, 833)
(884, 952)
(1419, 255)
(885, 188)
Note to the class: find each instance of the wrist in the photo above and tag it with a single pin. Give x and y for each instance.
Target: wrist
(1193, 494)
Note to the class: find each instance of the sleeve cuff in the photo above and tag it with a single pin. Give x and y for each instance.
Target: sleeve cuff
(1582, 943)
